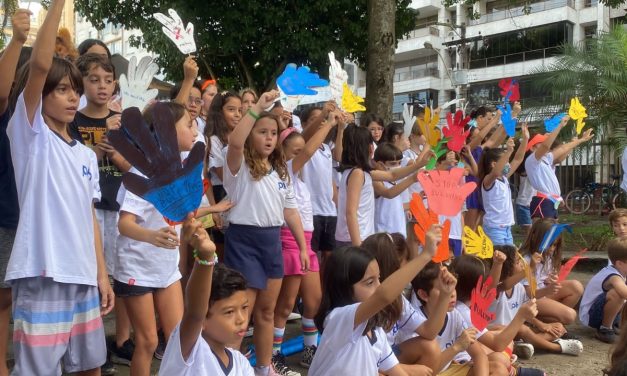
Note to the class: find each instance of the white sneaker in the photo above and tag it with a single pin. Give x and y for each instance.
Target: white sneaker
(570, 346)
(523, 350)
(293, 316)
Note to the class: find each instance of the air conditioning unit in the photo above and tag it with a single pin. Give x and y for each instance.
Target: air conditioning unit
(459, 77)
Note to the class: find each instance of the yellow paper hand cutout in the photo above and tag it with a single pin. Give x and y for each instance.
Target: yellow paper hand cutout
(351, 102)
(530, 275)
(478, 244)
(577, 112)
(429, 127)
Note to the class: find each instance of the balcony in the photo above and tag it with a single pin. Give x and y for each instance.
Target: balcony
(416, 41)
(416, 74)
(514, 58)
(425, 6)
(522, 11)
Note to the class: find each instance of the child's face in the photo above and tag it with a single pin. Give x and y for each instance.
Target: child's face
(433, 296)
(416, 140)
(207, 97)
(376, 131)
(619, 226)
(312, 118)
(99, 85)
(248, 100)
(363, 289)
(186, 132)
(390, 165)
(227, 320)
(232, 112)
(62, 103)
(293, 147)
(194, 103)
(264, 136)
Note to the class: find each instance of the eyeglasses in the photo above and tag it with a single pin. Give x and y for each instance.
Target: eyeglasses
(196, 101)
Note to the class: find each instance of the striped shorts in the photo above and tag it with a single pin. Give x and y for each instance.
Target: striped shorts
(56, 324)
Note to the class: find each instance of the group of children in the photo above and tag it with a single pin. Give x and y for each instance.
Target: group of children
(289, 198)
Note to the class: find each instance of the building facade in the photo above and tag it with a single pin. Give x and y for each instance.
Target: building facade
(114, 36)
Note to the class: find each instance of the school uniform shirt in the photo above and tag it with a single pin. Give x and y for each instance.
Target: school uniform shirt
(258, 202)
(525, 192)
(543, 272)
(303, 199)
(456, 231)
(541, 174)
(317, 174)
(595, 288)
(140, 263)
(497, 203)
(365, 209)
(57, 183)
(216, 159)
(405, 328)
(201, 123)
(202, 361)
(389, 215)
(464, 312)
(9, 208)
(454, 325)
(505, 306)
(344, 350)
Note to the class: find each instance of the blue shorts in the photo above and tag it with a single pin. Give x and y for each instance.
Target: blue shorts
(542, 208)
(255, 252)
(500, 235)
(595, 314)
(473, 201)
(523, 215)
(455, 245)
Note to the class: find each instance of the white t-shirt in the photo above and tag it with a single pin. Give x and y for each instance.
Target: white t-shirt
(365, 210)
(543, 271)
(593, 289)
(456, 231)
(57, 183)
(201, 361)
(464, 312)
(454, 325)
(303, 199)
(257, 203)
(405, 328)
(216, 159)
(201, 126)
(317, 174)
(497, 203)
(389, 215)
(623, 162)
(541, 174)
(505, 307)
(140, 263)
(525, 192)
(346, 351)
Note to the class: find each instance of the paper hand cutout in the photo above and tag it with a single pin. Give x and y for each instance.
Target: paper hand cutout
(289, 102)
(509, 90)
(550, 236)
(577, 112)
(173, 188)
(425, 218)
(134, 85)
(429, 127)
(569, 265)
(337, 78)
(509, 123)
(478, 244)
(455, 131)
(445, 191)
(408, 119)
(452, 102)
(439, 150)
(299, 81)
(530, 276)
(178, 33)
(481, 298)
(553, 122)
(351, 102)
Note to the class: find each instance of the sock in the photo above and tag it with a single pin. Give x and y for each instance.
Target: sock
(278, 340)
(262, 370)
(310, 332)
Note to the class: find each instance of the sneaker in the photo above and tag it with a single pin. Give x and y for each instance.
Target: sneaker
(293, 316)
(523, 350)
(280, 367)
(161, 346)
(308, 355)
(570, 346)
(108, 369)
(606, 335)
(123, 354)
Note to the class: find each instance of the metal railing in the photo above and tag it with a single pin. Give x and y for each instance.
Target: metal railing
(514, 58)
(423, 32)
(523, 10)
(415, 74)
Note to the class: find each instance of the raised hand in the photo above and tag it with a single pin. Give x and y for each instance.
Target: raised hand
(509, 122)
(455, 131)
(424, 220)
(173, 28)
(445, 190)
(446, 281)
(509, 90)
(550, 124)
(429, 127)
(466, 339)
(190, 68)
(175, 189)
(408, 119)
(587, 135)
(134, 86)
(337, 78)
(299, 81)
(577, 112)
(20, 22)
(479, 244)
(481, 298)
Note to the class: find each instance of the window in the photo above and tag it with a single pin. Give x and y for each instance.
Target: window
(488, 93)
(350, 69)
(421, 97)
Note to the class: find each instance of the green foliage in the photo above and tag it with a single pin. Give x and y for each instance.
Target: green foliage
(248, 43)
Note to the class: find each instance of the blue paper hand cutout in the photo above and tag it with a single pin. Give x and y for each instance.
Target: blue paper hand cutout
(551, 235)
(508, 122)
(174, 188)
(299, 81)
(551, 123)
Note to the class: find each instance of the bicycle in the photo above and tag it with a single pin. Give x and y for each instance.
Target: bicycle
(579, 200)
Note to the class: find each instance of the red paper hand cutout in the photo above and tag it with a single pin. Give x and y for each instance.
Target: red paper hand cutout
(445, 191)
(480, 300)
(455, 131)
(425, 218)
(509, 89)
(569, 265)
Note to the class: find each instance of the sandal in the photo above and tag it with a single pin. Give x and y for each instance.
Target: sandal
(570, 346)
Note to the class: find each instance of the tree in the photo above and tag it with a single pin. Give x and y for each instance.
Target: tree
(8, 8)
(248, 43)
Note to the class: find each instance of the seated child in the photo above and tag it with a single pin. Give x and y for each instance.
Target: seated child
(618, 222)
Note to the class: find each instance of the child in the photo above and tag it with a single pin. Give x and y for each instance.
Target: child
(618, 222)
(249, 98)
(216, 313)
(189, 94)
(605, 294)
(57, 265)
(146, 273)
(394, 134)
(374, 124)
(298, 153)
(560, 298)
(257, 179)
(353, 312)
(523, 198)
(496, 195)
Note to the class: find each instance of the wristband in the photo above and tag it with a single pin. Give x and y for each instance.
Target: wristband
(199, 261)
(252, 114)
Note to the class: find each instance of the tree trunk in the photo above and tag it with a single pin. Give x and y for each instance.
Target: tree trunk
(247, 75)
(380, 60)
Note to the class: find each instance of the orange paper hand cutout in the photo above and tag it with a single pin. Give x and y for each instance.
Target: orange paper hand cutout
(425, 218)
(445, 191)
(429, 127)
(530, 275)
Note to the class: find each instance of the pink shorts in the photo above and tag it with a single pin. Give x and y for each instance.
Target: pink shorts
(291, 253)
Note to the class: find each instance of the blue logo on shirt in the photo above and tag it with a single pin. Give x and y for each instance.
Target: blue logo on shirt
(86, 172)
(514, 305)
(282, 185)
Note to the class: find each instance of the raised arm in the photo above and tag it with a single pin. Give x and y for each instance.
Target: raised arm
(446, 285)
(190, 72)
(395, 190)
(315, 141)
(489, 179)
(8, 61)
(41, 58)
(477, 139)
(519, 157)
(561, 153)
(545, 146)
(339, 138)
